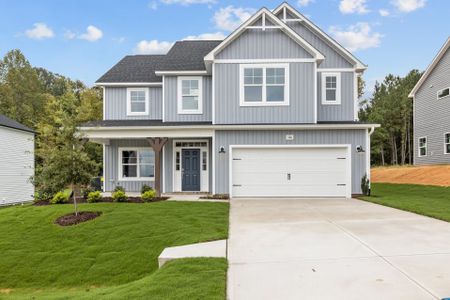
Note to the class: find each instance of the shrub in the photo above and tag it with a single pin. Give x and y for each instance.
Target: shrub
(148, 196)
(94, 197)
(145, 188)
(86, 192)
(119, 196)
(61, 197)
(365, 185)
(41, 196)
(119, 188)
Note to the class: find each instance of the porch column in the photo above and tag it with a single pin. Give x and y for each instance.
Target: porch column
(157, 144)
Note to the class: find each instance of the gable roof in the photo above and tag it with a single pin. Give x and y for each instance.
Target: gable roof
(430, 68)
(265, 13)
(10, 123)
(328, 39)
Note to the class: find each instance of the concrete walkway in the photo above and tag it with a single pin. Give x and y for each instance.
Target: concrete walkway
(208, 249)
(335, 249)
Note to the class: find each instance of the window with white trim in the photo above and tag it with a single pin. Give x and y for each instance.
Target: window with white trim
(264, 85)
(136, 164)
(137, 101)
(190, 95)
(443, 93)
(331, 88)
(422, 146)
(447, 143)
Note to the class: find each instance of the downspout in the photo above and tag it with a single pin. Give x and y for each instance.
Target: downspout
(370, 132)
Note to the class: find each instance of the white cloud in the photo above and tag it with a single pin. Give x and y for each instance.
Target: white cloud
(153, 5)
(70, 35)
(206, 36)
(408, 5)
(39, 31)
(188, 2)
(353, 6)
(152, 47)
(303, 3)
(230, 17)
(119, 39)
(357, 37)
(384, 12)
(92, 34)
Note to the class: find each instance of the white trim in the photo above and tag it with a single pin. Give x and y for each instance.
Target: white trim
(213, 156)
(430, 68)
(157, 84)
(358, 64)
(268, 14)
(342, 70)
(316, 99)
(119, 165)
(193, 72)
(264, 101)
(213, 96)
(264, 61)
(437, 93)
(104, 102)
(426, 146)
(445, 142)
(163, 94)
(338, 88)
(311, 146)
(104, 169)
(355, 96)
(147, 100)
(180, 109)
(163, 158)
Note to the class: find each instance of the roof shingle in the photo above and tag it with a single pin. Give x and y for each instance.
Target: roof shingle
(10, 123)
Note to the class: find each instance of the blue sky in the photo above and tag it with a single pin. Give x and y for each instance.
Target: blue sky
(82, 39)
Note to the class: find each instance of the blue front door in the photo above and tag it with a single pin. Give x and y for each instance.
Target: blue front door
(191, 170)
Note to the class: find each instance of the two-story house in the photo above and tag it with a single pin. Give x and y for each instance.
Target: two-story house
(269, 111)
(431, 102)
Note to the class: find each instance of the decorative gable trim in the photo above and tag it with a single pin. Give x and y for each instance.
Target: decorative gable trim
(265, 14)
(430, 68)
(285, 7)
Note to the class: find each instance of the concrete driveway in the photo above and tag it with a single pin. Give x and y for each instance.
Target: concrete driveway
(335, 249)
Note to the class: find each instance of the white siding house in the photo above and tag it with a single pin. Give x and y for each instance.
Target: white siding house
(16, 162)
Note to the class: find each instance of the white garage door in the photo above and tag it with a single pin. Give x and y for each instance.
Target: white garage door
(291, 172)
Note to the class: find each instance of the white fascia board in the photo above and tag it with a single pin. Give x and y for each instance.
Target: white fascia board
(430, 68)
(106, 84)
(359, 66)
(160, 73)
(286, 29)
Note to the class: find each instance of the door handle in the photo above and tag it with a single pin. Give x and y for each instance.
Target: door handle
(288, 176)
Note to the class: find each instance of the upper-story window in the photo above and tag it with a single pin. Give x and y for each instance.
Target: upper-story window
(422, 146)
(190, 100)
(443, 93)
(264, 85)
(447, 143)
(331, 88)
(137, 101)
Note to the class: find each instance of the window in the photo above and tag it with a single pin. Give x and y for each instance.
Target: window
(135, 164)
(422, 146)
(331, 88)
(190, 95)
(137, 101)
(264, 85)
(443, 93)
(447, 143)
(204, 159)
(177, 161)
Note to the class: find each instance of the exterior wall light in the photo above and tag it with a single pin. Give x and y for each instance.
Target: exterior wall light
(222, 149)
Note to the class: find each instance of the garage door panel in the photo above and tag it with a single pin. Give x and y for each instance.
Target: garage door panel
(292, 172)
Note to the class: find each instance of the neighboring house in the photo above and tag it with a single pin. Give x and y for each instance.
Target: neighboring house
(269, 111)
(431, 97)
(16, 162)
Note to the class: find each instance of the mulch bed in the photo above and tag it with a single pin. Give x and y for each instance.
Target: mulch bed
(72, 219)
(134, 199)
(217, 197)
(41, 203)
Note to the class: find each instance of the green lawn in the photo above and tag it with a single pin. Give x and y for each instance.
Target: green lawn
(432, 201)
(114, 255)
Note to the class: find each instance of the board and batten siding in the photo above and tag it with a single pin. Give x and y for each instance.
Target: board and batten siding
(339, 112)
(432, 116)
(301, 98)
(171, 101)
(226, 138)
(116, 104)
(258, 44)
(16, 166)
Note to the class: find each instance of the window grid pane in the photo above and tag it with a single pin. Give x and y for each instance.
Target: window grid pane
(138, 163)
(137, 101)
(331, 88)
(190, 94)
(256, 89)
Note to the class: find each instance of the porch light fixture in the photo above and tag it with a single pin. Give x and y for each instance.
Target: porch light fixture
(222, 150)
(360, 149)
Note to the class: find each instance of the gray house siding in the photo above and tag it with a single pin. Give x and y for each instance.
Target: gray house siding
(171, 101)
(333, 59)
(278, 137)
(341, 112)
(258, 44)
(301, 94)
(432, 116)
(116, 104)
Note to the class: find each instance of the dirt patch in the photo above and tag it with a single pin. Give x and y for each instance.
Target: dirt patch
(217, 197)
(5, 291)
(424, 175)
(41, 203)
(72, 219)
